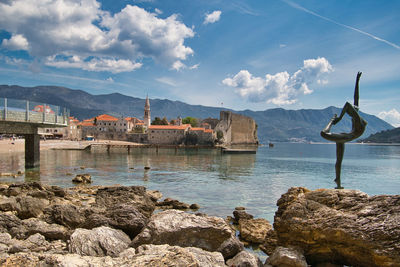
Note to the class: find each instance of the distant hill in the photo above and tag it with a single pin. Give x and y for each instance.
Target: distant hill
(388, 136)
(273, 124)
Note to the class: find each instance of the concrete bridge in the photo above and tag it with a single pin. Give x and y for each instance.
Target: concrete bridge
(22, 117)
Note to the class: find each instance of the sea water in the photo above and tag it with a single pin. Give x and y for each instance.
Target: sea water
(220, 182)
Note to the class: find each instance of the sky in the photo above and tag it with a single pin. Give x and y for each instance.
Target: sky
(233, 54)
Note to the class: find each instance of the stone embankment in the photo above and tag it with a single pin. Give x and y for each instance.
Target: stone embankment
(44, 225)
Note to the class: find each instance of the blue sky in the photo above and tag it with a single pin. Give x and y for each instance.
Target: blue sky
(236, 54)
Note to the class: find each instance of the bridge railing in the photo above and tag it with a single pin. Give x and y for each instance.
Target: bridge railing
(34, 112)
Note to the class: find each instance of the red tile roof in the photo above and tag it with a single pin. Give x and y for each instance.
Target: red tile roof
(169, 127)
(86, 123)
(105, 117)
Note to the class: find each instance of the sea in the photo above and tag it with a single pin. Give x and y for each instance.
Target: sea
(220, 182)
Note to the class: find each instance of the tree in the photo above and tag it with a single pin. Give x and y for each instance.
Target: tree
(95, 121)
(190, 120)
(156, 121)
(172, 122)
(164, 121)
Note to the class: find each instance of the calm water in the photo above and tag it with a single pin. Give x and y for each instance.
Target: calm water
(219, 182)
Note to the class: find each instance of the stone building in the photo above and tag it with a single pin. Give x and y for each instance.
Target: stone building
(167, 134)
(237, 129)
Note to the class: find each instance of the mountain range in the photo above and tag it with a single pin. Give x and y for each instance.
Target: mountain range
(273, 124)
(388, 136)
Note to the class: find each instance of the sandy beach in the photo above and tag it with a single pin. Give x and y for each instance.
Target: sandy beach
(18, 145)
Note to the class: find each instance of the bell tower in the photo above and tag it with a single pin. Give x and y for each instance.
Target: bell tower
(147, 116)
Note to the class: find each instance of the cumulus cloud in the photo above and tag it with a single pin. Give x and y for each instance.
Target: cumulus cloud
(212, 17)
(69, 28)
(280, 88)
(16, 42)
(178, 65)
(391, 116)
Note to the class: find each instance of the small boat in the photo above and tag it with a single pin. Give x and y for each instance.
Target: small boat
(271, 145)
(238, 151)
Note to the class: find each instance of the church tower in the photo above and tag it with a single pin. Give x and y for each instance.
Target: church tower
(147, 120)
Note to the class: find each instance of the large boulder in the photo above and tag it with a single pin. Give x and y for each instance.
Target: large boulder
(50, 231)
(134, 196)
(68, 215)
(101, 241)
(178, 228)
(340, 226)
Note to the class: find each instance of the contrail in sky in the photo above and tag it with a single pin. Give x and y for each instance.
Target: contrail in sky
(294, 5)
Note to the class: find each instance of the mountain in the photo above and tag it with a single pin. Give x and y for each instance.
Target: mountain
(273, 124)
(388, 136)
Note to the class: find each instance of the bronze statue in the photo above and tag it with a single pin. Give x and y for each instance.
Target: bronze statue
(358, 128)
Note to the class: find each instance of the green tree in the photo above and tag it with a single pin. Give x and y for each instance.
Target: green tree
(190, 120)
(156, 121)
(172, 122)
(164, 121)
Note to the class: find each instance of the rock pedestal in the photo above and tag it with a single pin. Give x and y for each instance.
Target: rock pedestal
(340, 226)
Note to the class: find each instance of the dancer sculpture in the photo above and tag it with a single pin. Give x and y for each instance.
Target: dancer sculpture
(358, 128)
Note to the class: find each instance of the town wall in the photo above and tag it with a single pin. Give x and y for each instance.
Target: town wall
(237, 129)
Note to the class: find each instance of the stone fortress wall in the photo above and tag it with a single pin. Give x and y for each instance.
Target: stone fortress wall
(237, 129)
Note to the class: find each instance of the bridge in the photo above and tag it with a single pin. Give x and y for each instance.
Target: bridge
(23, 117)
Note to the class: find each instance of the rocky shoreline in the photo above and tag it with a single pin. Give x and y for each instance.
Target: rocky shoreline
(43, 225)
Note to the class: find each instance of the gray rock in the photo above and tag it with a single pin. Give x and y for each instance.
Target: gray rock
(244, 259)
(346, 227)
(287, 257)
(101, 241)
(29, 207)
(127, 218)
(9, 222)
(68, 215)
(50, 231)
(170, 203)
(134, 196)
(178, 228)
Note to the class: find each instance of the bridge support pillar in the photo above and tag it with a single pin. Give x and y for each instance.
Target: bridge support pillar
(32, 150)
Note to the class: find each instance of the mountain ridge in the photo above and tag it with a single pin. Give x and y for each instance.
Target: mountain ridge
(275, 124)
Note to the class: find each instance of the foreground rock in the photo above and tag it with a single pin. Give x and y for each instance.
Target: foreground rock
(101, 241)
(254, 230)
(178, 228)
(287, 257)
(143, 256)
(245, 259)
(340, 226)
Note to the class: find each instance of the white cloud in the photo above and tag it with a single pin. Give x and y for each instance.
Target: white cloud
(16, 42)
(110, 79)
(392, 117)
(281, 88)
(195, 66)
(158, 11)
(178, 65)
(212, 17)
(94, 64)
(282, 46)
(167, 80)
(68, 28)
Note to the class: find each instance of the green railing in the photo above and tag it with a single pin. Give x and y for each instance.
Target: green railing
(33, 112)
